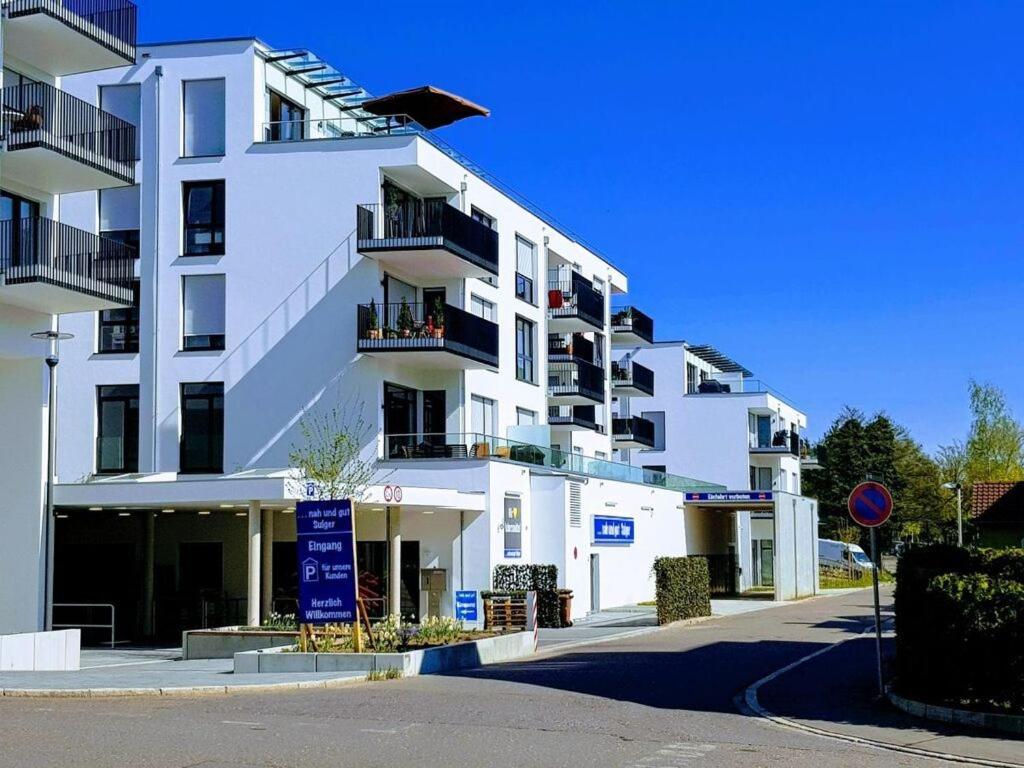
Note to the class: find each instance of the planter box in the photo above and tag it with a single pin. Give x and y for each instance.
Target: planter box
(41, 651)
(425, 661)
(225, 642)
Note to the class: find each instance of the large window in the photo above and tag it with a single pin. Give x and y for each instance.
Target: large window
(202, 308)
(692, 381)
(285, 119)
(760, 478)
(526, 334)
(124, 101)
(483, 416)
(658, 419)
(203, 217)
(526, 270)
(525, 417)
(118, 329)
(202, 118)
(19, 246)
(202, 428)
(483, 308)
(119, 216)
(117, 420)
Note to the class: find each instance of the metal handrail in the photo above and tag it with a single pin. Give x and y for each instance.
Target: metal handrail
(109, 626)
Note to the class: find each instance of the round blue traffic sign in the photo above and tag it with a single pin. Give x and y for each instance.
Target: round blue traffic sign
(870, 504)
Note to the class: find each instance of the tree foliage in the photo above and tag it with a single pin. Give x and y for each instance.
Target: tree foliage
(995, 446)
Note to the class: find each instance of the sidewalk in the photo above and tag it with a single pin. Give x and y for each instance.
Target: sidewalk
(836, 692)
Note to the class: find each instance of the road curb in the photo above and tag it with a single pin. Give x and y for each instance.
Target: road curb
(748, 701)
(194, 691)
(992, 721)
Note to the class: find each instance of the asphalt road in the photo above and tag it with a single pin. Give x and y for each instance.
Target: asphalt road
(658, 700)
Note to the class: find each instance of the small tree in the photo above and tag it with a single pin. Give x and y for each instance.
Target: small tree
(331, 455)
(405, 321)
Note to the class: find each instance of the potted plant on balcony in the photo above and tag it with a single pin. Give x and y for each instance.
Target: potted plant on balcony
(374, 322)
(438, 319)
(405, 321)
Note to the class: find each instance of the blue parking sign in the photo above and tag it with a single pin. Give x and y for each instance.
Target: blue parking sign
(326, 557)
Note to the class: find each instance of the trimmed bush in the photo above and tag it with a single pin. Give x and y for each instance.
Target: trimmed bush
(683, 588)
(543, 579)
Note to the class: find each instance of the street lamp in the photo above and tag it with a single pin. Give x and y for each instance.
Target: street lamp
(955, 486)
(51, 337)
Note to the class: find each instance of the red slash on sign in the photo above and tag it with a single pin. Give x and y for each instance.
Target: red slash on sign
(870, 504)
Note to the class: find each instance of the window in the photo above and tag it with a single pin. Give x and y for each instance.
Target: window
(600, 455)
(117, 423)
(692, 382)
(484, 416)
(119, 217)
(525, 417)
(125, 102)
(202, 307)
(202, 428)
(655, 468)
(21, 245)
(483, 308)
(477, 215)
(526, 270)
(203, 118)
(118, 329)
(286, 120)
(203, 217)
(760, 478)
(658, 417)
(525, 343)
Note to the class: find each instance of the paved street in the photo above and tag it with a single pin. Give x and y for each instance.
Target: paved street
(657, 700)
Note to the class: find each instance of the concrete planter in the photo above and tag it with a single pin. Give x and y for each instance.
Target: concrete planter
(225, 642)
(990, 720)
(475, 653)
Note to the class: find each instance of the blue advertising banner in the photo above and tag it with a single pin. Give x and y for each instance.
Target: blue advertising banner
(614, 530)
(730, 496)
(465, 605)
(326, 557)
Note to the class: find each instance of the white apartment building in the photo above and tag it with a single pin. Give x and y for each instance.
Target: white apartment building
(305, 248)
(51, 144)
(712, 419)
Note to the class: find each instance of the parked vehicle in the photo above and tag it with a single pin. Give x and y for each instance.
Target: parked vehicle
(839, 554)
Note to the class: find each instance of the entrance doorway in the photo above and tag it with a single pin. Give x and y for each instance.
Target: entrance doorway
(595, 582)
(399, 419)
(763, 561)
(373, 579)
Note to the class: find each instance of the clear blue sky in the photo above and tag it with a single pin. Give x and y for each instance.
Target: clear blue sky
(830, 194)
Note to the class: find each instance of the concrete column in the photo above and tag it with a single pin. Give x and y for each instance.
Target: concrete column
(148, 564)
(255, 555)
(394, 560)
(267, 593)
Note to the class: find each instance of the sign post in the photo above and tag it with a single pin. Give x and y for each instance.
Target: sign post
(870, 505)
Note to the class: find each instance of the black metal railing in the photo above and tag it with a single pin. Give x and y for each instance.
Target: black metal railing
(723, 573)
(37, 249)
(111, 23)
(632, 320)
(576, 415)
(565, 346)
(416, 224)
(574, 296)
(39, 115)
(632, 374)
(404, 326)
(576, 378)
(634, 428)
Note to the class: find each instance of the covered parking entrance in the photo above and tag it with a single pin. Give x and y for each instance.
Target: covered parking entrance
(755, 541)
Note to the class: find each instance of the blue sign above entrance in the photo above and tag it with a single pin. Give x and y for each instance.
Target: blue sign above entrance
(614, 530)
(465, 605)
(731, 496)
(326, 556)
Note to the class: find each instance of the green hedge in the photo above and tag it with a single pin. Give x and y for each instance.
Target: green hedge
(540, 578)
(960, 625)
(683, 588)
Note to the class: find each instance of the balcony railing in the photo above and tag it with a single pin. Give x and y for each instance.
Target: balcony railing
(416, 327)
(634, 429)
(632, 320)
(584, 416)
(38, 249)
(782, 441)
(577, 378)
(349, 127)
(111, 23)
(39, 115)
(572, 295)
(563, 347)
(420, 224)
(462, 445)
(633, 375)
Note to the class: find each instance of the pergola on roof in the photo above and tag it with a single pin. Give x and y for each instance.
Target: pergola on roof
(712, 356)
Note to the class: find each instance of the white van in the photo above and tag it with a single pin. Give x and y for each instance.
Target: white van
(838, 554)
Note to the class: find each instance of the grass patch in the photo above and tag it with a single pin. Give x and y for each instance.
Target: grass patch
(834, 581)
(391, 673)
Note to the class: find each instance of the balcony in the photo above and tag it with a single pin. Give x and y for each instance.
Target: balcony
(52, 267)
(64, 37)
(569, 347)
(427, 239)
(633, 432)
(415, 334)
(630, 379)
(58, 143)
(632, 328)
(575, 383)
(783, 441)
(573, 303)
(575, 418)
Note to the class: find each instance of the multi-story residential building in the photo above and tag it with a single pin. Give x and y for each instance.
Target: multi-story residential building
(712, 419)
(51, 144)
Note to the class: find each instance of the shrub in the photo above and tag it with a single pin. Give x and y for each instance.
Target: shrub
(439, 630)
(281, 622)
(389, 634)
(542, 579)
(683, 588)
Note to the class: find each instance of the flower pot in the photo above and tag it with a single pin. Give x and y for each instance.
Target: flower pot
(406, 333)
(439, 332)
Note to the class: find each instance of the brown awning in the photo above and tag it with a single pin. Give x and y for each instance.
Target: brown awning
(429, 106)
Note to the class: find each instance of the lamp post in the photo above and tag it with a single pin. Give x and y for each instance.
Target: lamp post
(52, 337)
(955, 486)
